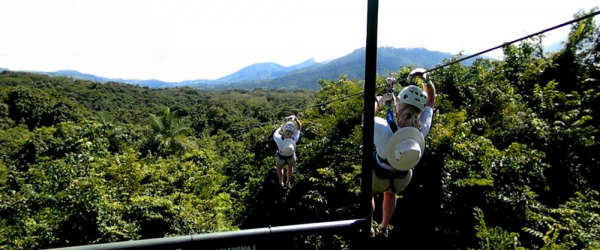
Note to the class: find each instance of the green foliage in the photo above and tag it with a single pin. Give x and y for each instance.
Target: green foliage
(495, 237)
(36, 108)
(573, 225)
(515, 140)
(113, 198)
(168, 133)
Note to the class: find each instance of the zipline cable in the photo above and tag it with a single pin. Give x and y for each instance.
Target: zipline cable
(517, 40)
(457, 61)
(474, 55)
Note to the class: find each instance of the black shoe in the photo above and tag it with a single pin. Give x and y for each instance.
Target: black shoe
(288, 185)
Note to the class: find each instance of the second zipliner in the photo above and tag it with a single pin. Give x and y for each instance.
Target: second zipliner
(286, 137)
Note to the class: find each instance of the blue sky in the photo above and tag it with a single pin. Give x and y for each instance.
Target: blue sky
(180, 40)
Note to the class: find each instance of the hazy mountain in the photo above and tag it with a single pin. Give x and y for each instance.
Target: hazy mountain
(263, 71)
(255, 73)
(304, 75)
(352, 65)
(77, 75)
(554, 47)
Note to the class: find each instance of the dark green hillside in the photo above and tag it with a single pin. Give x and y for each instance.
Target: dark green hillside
(97, 163)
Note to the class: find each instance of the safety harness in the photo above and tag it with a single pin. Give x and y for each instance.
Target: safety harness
(283, 157)
(280, 153)
(383, 173)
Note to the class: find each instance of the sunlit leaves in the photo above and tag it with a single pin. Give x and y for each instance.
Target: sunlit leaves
(515, 138)
(168, 133)
(573, 225)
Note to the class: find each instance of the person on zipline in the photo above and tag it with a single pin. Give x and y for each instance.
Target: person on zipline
(286, 148)
(400, 142)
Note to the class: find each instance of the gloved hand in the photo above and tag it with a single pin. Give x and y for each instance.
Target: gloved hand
(381, 100)
(419, 72)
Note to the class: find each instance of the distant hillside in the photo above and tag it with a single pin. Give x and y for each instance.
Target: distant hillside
(353, 65)
(78, 75)
(253, 73)
(263, 71)
(305, 75)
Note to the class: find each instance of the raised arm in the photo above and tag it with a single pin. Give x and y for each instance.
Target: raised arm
(277, 134)
(429, 88)
(427, 85)
(298, 123)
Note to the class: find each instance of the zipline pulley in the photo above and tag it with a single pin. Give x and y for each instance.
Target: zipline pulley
(390, 91)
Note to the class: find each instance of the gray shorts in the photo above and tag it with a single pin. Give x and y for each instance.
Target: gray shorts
(382, 185)
(291, 161)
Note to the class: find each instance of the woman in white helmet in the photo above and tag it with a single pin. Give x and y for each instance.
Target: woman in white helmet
(286, 148)
(399, 142)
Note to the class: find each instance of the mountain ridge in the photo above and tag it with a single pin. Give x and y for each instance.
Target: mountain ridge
(352, 65)
(263, 71)
(304, 75)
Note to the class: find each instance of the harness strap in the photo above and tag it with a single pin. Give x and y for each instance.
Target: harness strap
(283, 157)
(393, 126)
(391, 175)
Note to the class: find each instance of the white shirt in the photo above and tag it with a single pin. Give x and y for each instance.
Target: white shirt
(383, 132)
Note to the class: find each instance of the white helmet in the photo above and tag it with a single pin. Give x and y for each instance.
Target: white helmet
(289, 126)
(413, 95)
